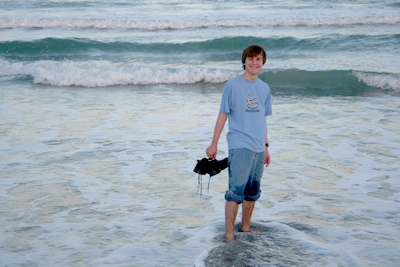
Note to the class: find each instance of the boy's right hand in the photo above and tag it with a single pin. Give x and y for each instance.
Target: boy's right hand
(211, 152)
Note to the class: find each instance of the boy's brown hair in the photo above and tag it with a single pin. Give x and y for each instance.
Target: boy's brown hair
(252, 51)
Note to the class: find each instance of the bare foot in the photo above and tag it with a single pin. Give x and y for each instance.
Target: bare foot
(248, 229)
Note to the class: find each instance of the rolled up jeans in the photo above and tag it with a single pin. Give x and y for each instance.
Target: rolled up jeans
(245, 171)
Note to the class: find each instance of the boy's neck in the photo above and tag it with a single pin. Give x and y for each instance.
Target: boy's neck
(250, 77)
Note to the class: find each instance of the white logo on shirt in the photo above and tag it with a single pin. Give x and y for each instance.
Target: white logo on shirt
(250, 103)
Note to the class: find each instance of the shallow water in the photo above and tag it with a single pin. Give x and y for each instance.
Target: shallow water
(106, 106)
(105, 177)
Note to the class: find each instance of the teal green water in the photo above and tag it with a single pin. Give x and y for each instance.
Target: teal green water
(106, 106)
(184, 37)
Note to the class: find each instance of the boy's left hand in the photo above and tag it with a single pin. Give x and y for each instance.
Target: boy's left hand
(267, 158)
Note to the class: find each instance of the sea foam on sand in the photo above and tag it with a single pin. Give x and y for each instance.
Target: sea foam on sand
(104, 176)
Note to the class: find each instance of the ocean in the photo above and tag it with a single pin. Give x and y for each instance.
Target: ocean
(106, 106)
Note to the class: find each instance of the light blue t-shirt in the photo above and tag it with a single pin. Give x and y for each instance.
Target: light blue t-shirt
(246, 103)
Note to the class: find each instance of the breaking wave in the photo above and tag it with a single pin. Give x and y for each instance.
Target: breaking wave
(102, 74)
(384, 81)
(99, 74)
(101, 23)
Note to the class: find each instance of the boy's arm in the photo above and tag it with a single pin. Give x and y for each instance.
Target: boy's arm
(267, 157)
(211, 151)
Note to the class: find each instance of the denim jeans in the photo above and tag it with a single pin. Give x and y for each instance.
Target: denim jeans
(245, 171)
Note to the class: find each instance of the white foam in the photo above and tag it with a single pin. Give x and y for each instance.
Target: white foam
(101, 23)
(337, 255)
(384, 81)
(100, 74)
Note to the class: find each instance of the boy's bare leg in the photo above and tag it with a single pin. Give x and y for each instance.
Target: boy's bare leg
(231, 210)
(248, 207)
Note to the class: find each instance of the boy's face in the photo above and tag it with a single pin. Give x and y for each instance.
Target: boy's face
(254, 64)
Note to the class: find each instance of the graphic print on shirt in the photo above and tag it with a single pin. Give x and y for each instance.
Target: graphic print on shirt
(252, 103)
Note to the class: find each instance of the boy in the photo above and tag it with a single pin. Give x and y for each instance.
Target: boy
(246, 100)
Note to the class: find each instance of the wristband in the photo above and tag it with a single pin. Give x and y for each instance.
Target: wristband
(267, 145)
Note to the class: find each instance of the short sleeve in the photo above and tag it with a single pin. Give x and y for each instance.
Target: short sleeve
(268, 105)
(224, 108)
